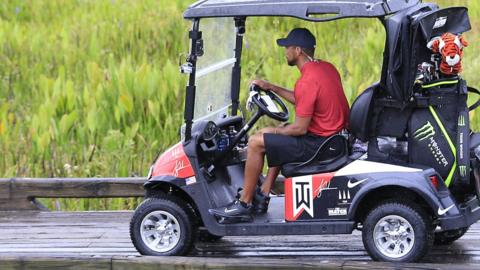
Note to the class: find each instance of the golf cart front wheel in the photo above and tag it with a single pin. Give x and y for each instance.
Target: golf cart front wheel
(162, 227)
(397, 232)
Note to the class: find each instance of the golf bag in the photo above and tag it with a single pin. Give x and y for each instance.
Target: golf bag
(428, 112)
(438, 130)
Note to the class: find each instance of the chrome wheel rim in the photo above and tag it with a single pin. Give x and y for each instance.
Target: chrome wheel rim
(160, 231)
(394, 236)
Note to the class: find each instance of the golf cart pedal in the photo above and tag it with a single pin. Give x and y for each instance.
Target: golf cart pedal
(209, 172)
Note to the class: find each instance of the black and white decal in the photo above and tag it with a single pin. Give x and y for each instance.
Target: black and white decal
(303, 195)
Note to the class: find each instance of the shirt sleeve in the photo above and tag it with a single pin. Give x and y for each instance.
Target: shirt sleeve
(305, 97)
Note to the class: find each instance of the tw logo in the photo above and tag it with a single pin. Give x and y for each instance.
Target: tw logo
(302, 195)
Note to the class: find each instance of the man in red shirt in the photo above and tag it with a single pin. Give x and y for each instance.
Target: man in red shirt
(321, 110)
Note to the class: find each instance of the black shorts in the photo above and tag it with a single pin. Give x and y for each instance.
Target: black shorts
(282, 149)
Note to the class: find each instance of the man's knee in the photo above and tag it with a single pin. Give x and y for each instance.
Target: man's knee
(256, 143)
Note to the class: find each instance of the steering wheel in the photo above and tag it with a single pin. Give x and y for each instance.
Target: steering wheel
(264, 104)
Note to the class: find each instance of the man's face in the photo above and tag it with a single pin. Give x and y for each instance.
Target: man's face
(291, 55)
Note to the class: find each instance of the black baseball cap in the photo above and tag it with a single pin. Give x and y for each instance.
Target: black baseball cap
(300, 37)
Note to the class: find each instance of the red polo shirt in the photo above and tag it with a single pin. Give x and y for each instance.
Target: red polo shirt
(319, 94)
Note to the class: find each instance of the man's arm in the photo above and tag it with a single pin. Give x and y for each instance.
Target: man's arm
(298, 128)
(283, 92)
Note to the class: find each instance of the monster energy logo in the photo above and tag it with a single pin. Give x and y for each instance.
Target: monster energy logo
(463, 170)
(461, 120)
(424, 132)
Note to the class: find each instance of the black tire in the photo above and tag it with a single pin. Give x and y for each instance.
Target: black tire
(204, 236)
(176, 208)
(448, 237)
(419, 224)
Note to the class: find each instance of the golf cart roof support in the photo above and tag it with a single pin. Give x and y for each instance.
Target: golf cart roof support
(311, 10)
(237, 68)
(195, 35)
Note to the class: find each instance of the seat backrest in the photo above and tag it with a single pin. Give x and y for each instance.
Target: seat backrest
(334, 147)
(360, 114)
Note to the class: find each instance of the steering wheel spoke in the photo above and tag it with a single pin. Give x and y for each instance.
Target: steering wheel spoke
(263, 106)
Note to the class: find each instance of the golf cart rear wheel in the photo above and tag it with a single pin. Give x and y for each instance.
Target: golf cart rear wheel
(448, 237)
(162, 227)
(397, 232)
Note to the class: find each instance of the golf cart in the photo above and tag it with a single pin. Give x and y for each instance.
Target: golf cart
(407, 175)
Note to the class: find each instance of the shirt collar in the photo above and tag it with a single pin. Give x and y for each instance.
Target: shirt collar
(304, 67)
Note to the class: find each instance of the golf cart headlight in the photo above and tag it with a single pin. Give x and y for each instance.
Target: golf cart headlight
(150, 172)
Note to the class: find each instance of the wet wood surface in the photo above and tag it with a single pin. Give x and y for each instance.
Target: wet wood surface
(100, 240)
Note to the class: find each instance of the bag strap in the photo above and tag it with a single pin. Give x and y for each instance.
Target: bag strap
(476, 104)
(463, 134)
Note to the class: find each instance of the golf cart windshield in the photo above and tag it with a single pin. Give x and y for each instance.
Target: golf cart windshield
(214, 69)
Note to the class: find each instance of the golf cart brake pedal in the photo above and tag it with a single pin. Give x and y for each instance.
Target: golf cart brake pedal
(209, 172)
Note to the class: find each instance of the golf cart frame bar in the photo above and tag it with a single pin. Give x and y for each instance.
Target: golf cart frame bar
(311, 10)
(195, 35)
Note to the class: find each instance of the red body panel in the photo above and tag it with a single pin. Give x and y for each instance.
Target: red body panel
(300, 192)
(173, 162)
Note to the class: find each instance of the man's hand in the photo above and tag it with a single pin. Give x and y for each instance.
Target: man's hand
(284, 93)
(265, 85)
(267, 130)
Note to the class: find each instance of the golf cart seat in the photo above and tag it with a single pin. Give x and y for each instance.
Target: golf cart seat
(330, 155)
(474, 140)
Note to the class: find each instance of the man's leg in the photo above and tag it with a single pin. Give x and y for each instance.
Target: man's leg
(272, 175)
(253, 166)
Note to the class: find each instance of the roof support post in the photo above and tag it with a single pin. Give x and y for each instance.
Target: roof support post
(237, 68)
(195, 36)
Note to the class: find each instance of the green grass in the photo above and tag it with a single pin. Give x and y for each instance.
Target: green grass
(91, 87)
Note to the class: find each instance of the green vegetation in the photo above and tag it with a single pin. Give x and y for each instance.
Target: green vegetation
(91, 88)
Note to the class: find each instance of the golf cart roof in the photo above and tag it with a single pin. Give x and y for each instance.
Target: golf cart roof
(312, 10)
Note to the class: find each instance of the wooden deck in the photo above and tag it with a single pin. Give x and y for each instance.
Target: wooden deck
(100, 240)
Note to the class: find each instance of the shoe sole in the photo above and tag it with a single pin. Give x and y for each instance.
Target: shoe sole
(226, 216)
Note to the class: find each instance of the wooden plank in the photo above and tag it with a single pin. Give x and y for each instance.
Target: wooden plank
(405, 266)
(20, 193)
(22, 262)
(176, 263)
(77, 187)
(4, 189)
(17, 204)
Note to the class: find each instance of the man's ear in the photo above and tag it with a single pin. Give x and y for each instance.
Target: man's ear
(298, 51)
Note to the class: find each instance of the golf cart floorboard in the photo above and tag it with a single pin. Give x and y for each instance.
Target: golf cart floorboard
(273, 223)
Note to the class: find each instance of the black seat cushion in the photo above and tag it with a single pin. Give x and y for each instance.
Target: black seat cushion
(330, 155)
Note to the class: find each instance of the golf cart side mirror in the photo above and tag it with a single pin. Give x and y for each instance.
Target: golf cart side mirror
(187, 67)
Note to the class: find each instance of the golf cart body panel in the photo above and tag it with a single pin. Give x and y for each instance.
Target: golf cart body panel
(306, 10)
(338, 195)
(173, 162)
